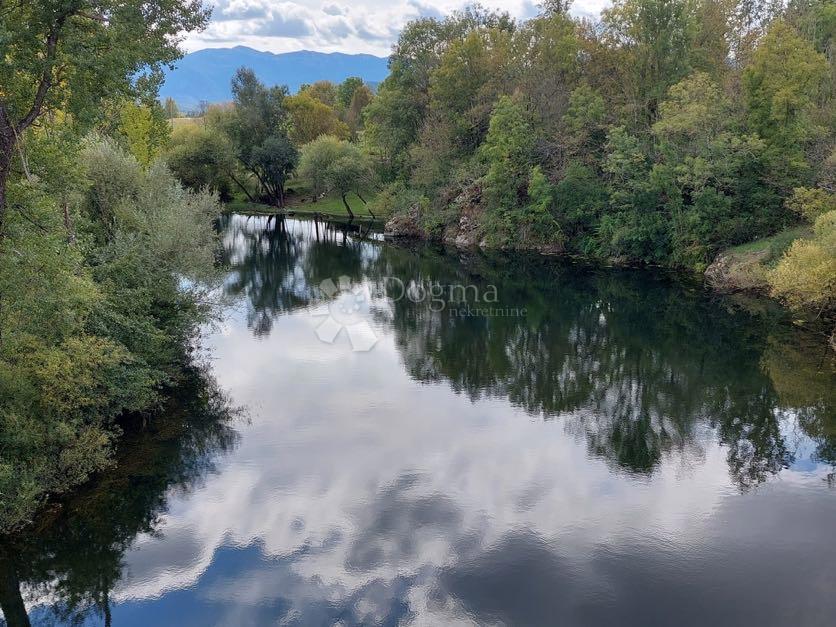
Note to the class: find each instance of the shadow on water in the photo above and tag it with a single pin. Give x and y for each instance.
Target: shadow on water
(73, 554)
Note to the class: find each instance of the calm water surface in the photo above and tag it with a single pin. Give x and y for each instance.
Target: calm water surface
(602, 447)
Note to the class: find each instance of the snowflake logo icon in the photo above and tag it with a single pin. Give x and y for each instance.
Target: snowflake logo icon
(348, 309)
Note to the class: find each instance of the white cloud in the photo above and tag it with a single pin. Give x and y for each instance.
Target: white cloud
(369, 26)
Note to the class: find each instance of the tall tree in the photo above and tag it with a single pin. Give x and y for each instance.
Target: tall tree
(47, 47)
(259, 129)
(656, 36)
(171, 109)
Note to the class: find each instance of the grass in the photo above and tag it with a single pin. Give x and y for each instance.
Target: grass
(298, 200)
(183, 122)
(775, 245)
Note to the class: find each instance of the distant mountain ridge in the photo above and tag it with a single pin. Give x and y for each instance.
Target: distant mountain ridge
(205, 75)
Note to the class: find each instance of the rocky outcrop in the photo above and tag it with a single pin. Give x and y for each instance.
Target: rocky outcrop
(405, 225)
(734, 271)
(466, 232)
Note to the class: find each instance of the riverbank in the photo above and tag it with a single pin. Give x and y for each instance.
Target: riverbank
(738, 270)
(299, 200)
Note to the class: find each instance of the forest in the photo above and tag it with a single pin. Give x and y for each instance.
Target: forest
(663, 134)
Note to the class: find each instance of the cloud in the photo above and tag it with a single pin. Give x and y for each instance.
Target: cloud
(284, 26)
(368, 26)
(239, 10)
(426, 10)
(333, 9)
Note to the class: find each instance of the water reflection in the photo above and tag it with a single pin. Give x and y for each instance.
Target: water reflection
(634, 364)
(629, 451)
(74, 557)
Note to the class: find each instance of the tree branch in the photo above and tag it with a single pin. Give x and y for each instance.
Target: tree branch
(46, 78)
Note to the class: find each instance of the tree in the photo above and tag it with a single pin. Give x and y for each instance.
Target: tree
(781, 83)
(202, 158)
(584, 124)
(315, 159)
(346, 89)
(47, 47)
(274, 160)
(324, 91)
(310, 118)
(517, 195)
(258, 128)
(359, 101)
(336, 166)
(656, 37)
(145, 130)
(693, 114)
(171, 109)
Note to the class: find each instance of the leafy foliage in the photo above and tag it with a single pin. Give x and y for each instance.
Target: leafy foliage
(662, 135)
(95, 328)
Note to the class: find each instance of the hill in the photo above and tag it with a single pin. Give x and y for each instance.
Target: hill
(205, 75)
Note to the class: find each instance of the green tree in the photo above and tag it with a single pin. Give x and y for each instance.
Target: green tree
(315, 159)
(508, 184)
(310, 118)
(359, 101)
(335, 166)
(656, 37)
(145, 129)
(346, 89)
(47, 47)
(258, 128)
(785, 76)
(324, 91)
(171, 109)
(202, 158)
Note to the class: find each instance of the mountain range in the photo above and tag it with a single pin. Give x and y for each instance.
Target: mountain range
(205, 75)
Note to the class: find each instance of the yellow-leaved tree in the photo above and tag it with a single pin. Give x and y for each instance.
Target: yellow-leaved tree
(805, 278)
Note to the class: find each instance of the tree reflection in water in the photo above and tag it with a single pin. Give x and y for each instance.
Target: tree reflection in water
(640, 368)
(73, 554)
(636, 364)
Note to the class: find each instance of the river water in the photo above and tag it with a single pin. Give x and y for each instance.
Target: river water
(412, 436)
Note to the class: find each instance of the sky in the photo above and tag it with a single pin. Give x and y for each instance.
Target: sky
(353, 26)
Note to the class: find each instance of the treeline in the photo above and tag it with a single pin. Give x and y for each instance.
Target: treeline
(105, 258)
(661, 134)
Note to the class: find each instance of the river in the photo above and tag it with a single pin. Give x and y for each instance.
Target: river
(404, 435)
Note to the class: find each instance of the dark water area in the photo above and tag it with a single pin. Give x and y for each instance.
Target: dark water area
(431, 438)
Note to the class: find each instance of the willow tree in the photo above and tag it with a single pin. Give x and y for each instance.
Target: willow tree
(71, 55)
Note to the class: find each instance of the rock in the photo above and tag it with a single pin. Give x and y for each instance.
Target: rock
(738, 271)
(405, 225)
(555, 248)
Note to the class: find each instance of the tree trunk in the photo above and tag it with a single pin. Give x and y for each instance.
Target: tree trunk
(347, 208)
(366, 204)
(11, 600)
(68, 222)
(241, 185)
(6, 148)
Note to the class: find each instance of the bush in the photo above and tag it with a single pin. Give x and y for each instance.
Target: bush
(92, 330)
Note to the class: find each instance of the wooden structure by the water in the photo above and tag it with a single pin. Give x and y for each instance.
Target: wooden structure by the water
(325, 228)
